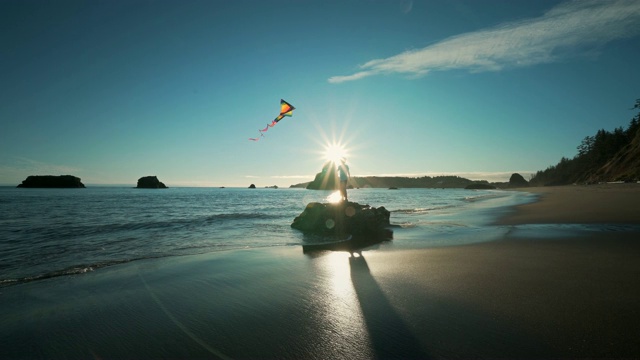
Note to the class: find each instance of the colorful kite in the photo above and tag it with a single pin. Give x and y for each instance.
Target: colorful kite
(286, 109)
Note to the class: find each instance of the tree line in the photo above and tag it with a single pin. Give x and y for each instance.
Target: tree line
(594, 152)
(328, 179)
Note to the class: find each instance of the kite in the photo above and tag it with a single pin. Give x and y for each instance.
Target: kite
(286, 109)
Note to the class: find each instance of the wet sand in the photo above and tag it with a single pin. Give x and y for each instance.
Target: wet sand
(516, 297)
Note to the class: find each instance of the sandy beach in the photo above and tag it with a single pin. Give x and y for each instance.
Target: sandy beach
(554, 294)
(580, 204)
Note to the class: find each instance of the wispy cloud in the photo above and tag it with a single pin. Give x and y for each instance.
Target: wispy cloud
(568, 29)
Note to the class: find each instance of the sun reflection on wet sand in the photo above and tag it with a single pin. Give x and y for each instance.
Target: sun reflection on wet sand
(337, 266)
(345, 329)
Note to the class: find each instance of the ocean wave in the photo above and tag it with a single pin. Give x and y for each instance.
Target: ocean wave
(483, 197)
(72, 270)
(419, 211)
(407, 225)
(68, 229)
(80, 269)
(193, 249)
(411, 211)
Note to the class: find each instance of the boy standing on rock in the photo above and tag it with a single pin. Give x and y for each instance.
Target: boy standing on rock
(343, 172)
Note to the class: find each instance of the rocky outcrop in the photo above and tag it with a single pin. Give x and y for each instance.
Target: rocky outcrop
(252, 186)
(516, 180)
(51, 181)
(344, 218)
(150, 182)
(327, 179)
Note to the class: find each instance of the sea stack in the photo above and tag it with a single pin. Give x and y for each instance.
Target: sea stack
(150, 182)
(51, 181)
(516, 180)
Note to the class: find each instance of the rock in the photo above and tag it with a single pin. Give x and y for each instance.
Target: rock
(479, 187)
(327, 179)
(150, 182)
(51, 181)
(344, 218)
(516, 180)
(252, 186)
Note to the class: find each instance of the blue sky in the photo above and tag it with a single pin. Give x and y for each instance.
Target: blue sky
(112, 90)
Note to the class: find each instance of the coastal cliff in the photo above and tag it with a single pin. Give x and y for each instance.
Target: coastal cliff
(608, 156)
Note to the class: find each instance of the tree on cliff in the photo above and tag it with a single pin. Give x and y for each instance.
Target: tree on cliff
(606, 156)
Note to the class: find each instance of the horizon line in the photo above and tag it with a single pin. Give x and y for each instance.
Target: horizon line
(492, 177)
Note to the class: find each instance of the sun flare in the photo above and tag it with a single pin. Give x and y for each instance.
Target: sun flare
(334, 152)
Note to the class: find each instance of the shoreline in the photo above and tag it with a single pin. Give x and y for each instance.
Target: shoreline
(537, 293)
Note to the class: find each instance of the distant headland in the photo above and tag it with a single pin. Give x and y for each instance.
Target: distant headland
(327, 179)
(51, 181)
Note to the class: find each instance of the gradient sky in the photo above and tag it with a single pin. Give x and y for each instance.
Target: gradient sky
(112, 90)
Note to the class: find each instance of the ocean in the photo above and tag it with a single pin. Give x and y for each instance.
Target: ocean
(46, 233)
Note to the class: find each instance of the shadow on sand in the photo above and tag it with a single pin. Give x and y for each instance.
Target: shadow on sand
(439, 326)
(390, 335)
(445, 329)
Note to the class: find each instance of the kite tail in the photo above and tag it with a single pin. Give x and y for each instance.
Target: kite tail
(286, 109)
(256, 139)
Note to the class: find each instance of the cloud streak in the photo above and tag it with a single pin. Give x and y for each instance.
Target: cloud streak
(568, 29)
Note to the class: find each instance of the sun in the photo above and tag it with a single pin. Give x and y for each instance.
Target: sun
(335, 152)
